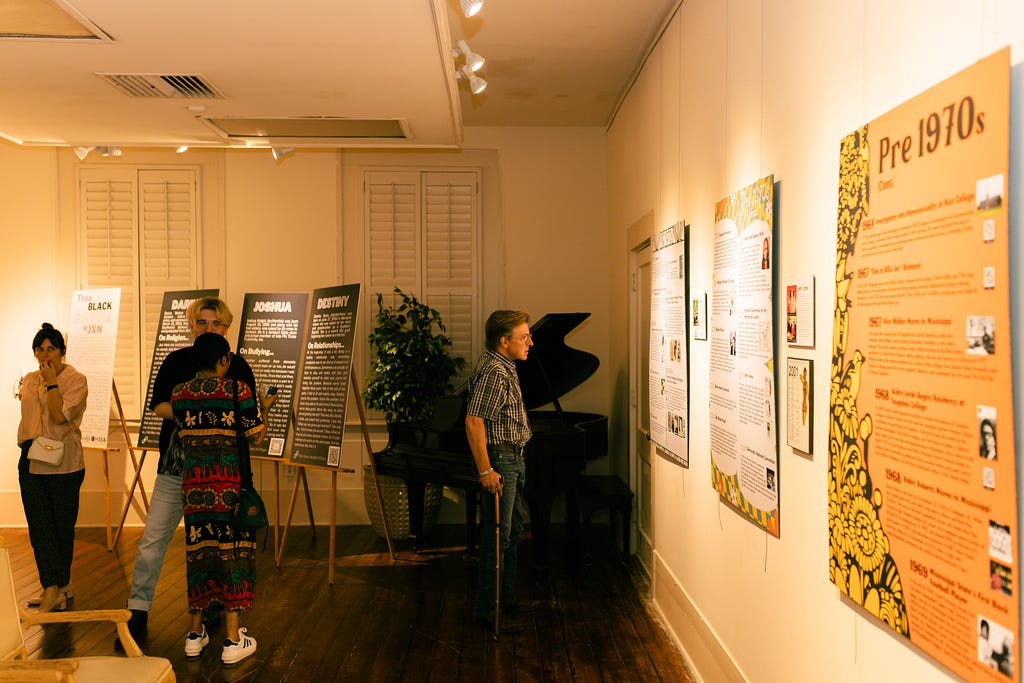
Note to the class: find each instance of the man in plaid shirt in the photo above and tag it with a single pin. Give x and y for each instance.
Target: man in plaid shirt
(497, 428)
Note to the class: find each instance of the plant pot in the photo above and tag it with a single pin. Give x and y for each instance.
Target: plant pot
(396, 505)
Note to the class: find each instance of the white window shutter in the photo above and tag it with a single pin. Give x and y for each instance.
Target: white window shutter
(109, 258)
(450, 256)
(168, 226)
(422, 235)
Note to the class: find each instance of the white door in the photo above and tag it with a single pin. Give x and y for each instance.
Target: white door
(640, 446)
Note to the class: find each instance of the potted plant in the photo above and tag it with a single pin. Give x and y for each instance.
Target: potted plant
(411, 368)
(412, 365)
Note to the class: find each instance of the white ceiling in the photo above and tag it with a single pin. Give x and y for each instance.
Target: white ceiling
(549, 63)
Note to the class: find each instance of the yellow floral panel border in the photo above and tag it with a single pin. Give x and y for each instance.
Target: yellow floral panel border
(859, 561)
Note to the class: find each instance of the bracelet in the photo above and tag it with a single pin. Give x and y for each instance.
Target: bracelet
(487, 471)
(51, 386)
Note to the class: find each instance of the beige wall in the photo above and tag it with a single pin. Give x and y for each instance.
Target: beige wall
(294, 225)
(732, 92)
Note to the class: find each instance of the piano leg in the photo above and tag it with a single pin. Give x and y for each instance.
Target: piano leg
(540, 530)
(416, 493)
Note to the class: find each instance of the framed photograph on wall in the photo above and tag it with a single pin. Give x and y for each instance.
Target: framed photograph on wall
(699, 317)
(800, 403)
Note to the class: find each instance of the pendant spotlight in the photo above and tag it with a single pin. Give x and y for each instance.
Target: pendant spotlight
(476, 84)
(279, 152)
(82, 152)
(471, 7)
(474, 62)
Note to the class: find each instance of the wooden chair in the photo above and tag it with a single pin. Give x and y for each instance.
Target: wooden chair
(14, 662)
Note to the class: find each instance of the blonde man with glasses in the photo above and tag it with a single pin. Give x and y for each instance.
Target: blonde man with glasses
(206, 314)
(498, 429)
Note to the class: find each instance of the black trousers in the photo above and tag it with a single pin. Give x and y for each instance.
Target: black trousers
(51, 508)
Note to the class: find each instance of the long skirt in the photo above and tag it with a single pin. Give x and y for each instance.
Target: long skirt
(220, 561)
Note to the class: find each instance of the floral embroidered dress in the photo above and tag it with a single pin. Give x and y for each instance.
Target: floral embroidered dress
(220, 562)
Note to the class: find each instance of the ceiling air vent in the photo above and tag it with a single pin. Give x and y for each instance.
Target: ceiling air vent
(162, 85)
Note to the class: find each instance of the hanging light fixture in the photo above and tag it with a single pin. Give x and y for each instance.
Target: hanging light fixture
(474, 62)
(471, 7)
(182, 149)
(82, 152)
(279, 152)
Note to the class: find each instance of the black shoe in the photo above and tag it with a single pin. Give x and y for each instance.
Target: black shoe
(137, 626)
(505, 624)
(522, 607)
(138, 623)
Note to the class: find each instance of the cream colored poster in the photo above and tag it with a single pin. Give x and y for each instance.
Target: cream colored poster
(744, 455)
(92, 342)
(922, 478)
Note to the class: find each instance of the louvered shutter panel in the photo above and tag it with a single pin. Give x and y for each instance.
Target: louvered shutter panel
(392, 208)
(168, 226)
(109, 258)
(450, 256)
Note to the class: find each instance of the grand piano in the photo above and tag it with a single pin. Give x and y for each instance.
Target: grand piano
(438, 452)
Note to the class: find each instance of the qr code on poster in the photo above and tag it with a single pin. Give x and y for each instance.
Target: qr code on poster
(276, 446)
(333, 456)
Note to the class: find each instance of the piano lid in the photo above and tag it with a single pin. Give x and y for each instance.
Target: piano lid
(553, 369)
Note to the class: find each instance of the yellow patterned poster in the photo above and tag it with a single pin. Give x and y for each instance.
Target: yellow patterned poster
(922, 476)
(744, 454)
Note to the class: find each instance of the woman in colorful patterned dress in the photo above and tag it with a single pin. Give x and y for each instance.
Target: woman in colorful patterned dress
(220, 561)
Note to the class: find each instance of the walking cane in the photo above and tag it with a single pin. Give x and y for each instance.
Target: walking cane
(497, 559)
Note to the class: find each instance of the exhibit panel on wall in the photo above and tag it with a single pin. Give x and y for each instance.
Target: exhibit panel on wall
(744, 453)
(922, 473)
(669, 362)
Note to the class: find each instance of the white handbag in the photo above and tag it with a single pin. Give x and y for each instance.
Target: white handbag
(45, 449)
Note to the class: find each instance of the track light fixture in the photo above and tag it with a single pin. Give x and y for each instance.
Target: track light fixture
(278, 152)
(474, 62)
(102, 150)
(471, 7)
(476, 84)
(182, 149)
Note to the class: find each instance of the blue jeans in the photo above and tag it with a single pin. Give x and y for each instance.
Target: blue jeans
(165, 511)
(512, 469)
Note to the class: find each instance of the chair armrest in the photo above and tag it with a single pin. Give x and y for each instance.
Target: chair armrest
(37, 671)
(120, 617)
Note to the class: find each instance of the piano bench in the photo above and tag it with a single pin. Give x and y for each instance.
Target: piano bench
(598, 491)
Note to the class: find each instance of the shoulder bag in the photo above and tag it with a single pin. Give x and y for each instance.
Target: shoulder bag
(251, 513)
(45, 449)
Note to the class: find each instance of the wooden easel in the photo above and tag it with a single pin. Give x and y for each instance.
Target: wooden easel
(334, 492)
(136, 480)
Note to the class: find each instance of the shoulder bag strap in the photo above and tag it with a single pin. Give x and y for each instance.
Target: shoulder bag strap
(244, 464)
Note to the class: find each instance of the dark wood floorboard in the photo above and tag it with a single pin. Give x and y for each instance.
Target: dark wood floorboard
(407, 620)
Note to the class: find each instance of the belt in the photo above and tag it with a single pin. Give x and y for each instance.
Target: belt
(506, 448)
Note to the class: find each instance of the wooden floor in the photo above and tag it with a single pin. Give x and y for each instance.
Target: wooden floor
(408, 620)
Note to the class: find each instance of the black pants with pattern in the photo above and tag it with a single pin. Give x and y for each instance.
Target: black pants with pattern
(51, 509)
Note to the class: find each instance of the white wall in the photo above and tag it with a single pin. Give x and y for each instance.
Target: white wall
(734, 91)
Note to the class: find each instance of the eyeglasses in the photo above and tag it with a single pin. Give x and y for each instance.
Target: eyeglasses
(215, 324)
(526, 338)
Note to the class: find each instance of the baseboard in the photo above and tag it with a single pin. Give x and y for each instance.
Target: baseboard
(705, 655)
